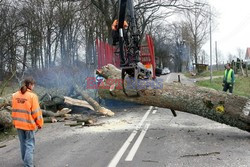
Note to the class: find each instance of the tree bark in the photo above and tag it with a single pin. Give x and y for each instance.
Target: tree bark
(60, 113)
(93, 103)
(219, 106)
(77, 102)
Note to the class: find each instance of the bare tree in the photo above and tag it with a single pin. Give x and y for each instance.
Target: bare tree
(164, 46)
(39, 34)
(196, 24)
(231, 57)
(240, 53)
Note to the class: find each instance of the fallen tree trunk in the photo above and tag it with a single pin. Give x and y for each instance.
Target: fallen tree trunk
(60, 113)
(82, 120)
(93, 103)
(90, 103)
(77, 102)
(219, 106)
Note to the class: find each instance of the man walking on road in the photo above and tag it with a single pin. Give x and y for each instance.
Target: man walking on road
(229, 79)
(27, 117)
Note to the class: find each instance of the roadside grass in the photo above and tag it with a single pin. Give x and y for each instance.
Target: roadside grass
(205, 74)
(241, 87)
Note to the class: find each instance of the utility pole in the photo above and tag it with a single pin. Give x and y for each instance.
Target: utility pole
(216, 54)
(211, 70)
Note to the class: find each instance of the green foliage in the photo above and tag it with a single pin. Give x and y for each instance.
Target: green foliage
(241, 87)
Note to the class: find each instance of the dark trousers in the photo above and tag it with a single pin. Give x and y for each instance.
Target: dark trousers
(228, 87)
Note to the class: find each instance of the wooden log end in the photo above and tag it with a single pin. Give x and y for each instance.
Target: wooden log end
(105, 111)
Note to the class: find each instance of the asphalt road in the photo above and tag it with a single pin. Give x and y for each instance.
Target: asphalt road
(138, 136)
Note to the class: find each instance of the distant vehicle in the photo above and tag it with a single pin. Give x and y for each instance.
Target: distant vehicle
(165, 71)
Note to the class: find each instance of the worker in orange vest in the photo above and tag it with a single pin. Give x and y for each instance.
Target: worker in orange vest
(115, 32)
(27, 117)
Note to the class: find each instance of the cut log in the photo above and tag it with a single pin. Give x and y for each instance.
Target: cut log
(6, 120)
(81, 121)
(219, 106)
(49, 120)
(52, 103)
(77, 102)
(90, 103)
(60, 113)
(93, 103)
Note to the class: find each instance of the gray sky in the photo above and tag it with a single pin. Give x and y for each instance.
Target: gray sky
(233, 30)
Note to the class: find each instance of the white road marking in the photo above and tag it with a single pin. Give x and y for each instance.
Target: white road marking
(150, 108)
(167, 78)
(144, 118)
(137, 143)
(124, 147)
(154, 111)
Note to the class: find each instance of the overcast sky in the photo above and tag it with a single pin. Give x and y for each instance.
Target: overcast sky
(233, 30)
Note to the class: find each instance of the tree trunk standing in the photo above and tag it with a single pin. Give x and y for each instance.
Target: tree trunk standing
(241, 68)
(216, 54)
(12, 56)
(89, 46)
(1, 66)
(105, 7)
(215, 105)
(48, 50)
(33, 50)
(74, 44)
(36, 49)
(195, 52)
(55, 51)
(69, 43)
(25, 50)
(62, 48)
(41, 53)
(45, 51)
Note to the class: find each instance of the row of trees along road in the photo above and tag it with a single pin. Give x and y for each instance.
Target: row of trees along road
(40, 34)
(178, 43)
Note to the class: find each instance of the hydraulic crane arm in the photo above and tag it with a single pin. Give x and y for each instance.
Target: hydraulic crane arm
(131, 53)
(129, 49)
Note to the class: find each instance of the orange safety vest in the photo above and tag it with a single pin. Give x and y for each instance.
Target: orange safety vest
(115, 24)
(26, 112)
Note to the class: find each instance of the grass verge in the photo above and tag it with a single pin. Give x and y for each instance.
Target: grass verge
(241, 87)
(205, 74)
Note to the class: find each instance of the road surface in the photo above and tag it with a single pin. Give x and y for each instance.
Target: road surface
(138, 136)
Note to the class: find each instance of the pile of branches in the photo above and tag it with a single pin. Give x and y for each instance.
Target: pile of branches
(59, 108)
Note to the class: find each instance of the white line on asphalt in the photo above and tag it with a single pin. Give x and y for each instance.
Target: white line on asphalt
(137, 144)
(124, 147)
(144, 118)
(154, 111)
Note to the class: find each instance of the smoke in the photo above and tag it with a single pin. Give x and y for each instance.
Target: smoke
(62, 76)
